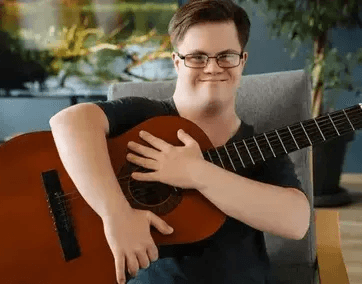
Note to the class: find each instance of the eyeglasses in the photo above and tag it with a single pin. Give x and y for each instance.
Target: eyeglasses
(225, 60)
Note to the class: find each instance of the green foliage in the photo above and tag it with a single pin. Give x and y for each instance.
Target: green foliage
(305, 21)
(36, 7)
(81, 48)
(310, 18)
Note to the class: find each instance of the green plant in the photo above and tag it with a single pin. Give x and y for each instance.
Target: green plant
(80, 48)
(311, 21)
(95, 48)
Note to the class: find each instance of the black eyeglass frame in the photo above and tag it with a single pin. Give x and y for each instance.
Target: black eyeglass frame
(183, 57)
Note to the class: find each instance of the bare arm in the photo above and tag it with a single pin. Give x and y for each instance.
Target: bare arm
(80, 136)
(282, 211)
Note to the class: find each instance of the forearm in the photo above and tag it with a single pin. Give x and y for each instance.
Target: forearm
(82, 147)
(277, 210)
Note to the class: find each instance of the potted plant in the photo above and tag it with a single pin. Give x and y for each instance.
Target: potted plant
(312, 21)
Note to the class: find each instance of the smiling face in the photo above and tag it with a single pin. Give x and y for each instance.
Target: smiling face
(211, 84)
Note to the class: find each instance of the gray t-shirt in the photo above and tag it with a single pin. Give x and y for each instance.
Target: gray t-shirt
(236, 253)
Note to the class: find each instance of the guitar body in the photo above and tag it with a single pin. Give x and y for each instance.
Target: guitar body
(32, 239)
(50, 235)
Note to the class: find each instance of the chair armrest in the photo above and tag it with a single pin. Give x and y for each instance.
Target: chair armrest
(331, 266)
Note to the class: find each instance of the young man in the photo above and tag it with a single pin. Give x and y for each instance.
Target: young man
(209, 38)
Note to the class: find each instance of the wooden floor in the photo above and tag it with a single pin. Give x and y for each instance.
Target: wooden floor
(351, 228)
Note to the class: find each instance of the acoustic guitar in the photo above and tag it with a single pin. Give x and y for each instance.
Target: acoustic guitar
(50, 235)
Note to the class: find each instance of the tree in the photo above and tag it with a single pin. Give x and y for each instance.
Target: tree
(312, 21)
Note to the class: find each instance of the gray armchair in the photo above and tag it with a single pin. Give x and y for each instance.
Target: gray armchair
(269, 101)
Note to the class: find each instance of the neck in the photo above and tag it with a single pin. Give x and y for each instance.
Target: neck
(206, 112)
(219, 122)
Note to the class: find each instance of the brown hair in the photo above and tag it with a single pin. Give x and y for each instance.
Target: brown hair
(204, 11)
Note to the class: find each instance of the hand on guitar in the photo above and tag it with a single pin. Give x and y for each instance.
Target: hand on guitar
(172, 165)
(128, 235)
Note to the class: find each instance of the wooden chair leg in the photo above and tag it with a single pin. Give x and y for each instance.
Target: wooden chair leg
(331, 266)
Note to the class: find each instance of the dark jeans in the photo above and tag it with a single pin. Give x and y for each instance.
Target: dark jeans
(162, 271)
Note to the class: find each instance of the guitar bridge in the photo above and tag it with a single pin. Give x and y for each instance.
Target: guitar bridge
(62, 220)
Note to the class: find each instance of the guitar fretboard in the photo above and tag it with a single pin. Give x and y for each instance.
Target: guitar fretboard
(259, 148)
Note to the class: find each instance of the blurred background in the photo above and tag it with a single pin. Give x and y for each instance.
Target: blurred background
(55, 53)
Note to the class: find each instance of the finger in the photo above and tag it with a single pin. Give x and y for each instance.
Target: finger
(159, 224)
(143, 150)
(154, 141)
(132, 264)
(120, 270)
(143, 259)
(152, 252)
(143, 162)
(145, 176)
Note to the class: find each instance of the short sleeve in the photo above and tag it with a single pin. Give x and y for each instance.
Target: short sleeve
(127, 112)
(278, 171)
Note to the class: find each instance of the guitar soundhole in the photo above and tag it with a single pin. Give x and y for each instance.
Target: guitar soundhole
(149, 193)
(154, 196)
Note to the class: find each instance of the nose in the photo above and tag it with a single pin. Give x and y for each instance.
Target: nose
(212, 66)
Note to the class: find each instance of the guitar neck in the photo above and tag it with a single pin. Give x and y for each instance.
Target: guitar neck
(259, 148)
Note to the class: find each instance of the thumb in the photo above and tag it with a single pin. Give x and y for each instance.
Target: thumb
(160, 224)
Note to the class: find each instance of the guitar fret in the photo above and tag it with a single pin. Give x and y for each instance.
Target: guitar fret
(271, 148)
(313, 132)
(328, 128)
(237, 151)
(281, 141)
(249, 153)
(217, 152)
(341, 122)
(275, 143)
(257, 145)
(349, 120)
(306, 133)
(231, 161)
(319, 129)
(293, 138)
(285, 140)
(334, 125)
(299, 136)
(355, 118)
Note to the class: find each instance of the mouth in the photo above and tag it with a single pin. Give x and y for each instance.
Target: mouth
(212, 80)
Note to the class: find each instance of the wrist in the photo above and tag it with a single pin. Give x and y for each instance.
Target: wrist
(199, 174)
(116, 209)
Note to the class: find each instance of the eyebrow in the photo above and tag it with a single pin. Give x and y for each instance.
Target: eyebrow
(198, 51)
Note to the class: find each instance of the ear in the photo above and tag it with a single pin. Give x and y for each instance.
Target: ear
(244, 58)
(176, 61)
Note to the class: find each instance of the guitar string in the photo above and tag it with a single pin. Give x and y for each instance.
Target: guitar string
(139, 190)
(223, 156)
(295, 134)
(282, 134)
(77, 195)
(254, 150)
(298, 134)
(300, 130)
(250, 146)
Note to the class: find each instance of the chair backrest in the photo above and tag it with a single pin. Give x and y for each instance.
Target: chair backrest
(266, 101)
